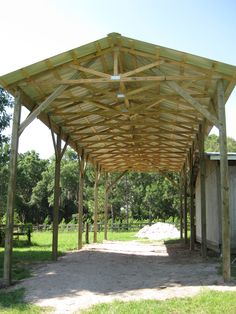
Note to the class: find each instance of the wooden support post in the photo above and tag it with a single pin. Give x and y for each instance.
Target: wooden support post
(116, 65)
(224, 182)
(203, 190)
(11, 191)
(56, 201)
(87, 233)
(82, 165)
(192, 209)
(106, 205)
(95, 223)
(181, 204)
(185, 207)
(57, 190)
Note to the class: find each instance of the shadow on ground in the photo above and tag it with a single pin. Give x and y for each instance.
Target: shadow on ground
(117, 269)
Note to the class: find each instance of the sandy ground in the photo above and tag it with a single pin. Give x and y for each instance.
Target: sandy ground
(121, 271)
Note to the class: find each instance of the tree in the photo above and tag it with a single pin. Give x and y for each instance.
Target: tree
(149, 196)
(29, 173)
(69, 185)
(6, 102)
(4, 160)
(212, 144)
(5, 117)
(162, 197)
(43, 194)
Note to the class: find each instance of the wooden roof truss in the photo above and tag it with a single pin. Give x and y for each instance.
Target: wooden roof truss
(126, 104)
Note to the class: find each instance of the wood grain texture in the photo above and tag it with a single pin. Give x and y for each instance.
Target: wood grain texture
(120, 93)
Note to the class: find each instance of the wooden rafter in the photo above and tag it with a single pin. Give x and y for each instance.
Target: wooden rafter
(131, 105)
(126, 105)
(122, 78)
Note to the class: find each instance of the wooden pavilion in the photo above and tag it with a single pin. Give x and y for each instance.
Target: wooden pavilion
(125, 105)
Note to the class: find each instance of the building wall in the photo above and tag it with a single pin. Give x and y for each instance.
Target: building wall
(232, 203)
(213, 201)
(212, 204)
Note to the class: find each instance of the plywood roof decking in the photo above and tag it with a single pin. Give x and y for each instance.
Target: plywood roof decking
(121, 100)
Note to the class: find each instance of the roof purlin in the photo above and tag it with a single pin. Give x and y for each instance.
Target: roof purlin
(125, 120)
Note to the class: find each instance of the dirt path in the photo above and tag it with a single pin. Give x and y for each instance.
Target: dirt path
(120, 270)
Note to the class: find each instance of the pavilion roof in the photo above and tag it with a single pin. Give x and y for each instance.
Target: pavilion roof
(127, 104)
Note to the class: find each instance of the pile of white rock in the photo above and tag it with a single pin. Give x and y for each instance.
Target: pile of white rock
(159, 231)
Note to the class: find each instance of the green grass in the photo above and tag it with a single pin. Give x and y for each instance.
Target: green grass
(40, 249)
(25, 255)
(13, 303)
(210, 302)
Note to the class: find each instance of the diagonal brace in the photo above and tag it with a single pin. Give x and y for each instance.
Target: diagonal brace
(194, 103)
(34, 114)
(116, 180)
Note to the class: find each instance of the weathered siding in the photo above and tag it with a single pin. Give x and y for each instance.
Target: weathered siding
(213, 214)
(212, 204)
(198, 209)
(232, 203)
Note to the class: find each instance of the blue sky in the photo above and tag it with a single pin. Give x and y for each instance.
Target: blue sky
(34, 30)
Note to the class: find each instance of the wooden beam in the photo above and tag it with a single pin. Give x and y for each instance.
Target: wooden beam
(160, 153)
(11, 191)
(64, 147)
(56, 198)
(140, 89)
(89, 59)
(108, 107)
(192, 208)
(90, 71)
(194, 103)
(95, 217)
(176, 63)
(142, 68)
(34, 114)
(166, 175)
(106, 205)
(119, 78)
(116, 64)
(224, 183)
(181, 204)
(59, 153)
(52, 134)
(203, 190)
(158, 140)
(185, 213)
(138, 131)
(80, 200)
(109, 187)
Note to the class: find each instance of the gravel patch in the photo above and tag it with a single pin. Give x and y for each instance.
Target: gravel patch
(120, 271)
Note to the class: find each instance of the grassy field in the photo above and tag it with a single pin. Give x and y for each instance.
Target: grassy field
(13, 303)
(40, 249)
(209, 302)
(25, 255)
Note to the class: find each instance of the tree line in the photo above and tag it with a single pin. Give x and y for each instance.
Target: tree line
(136, 196)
